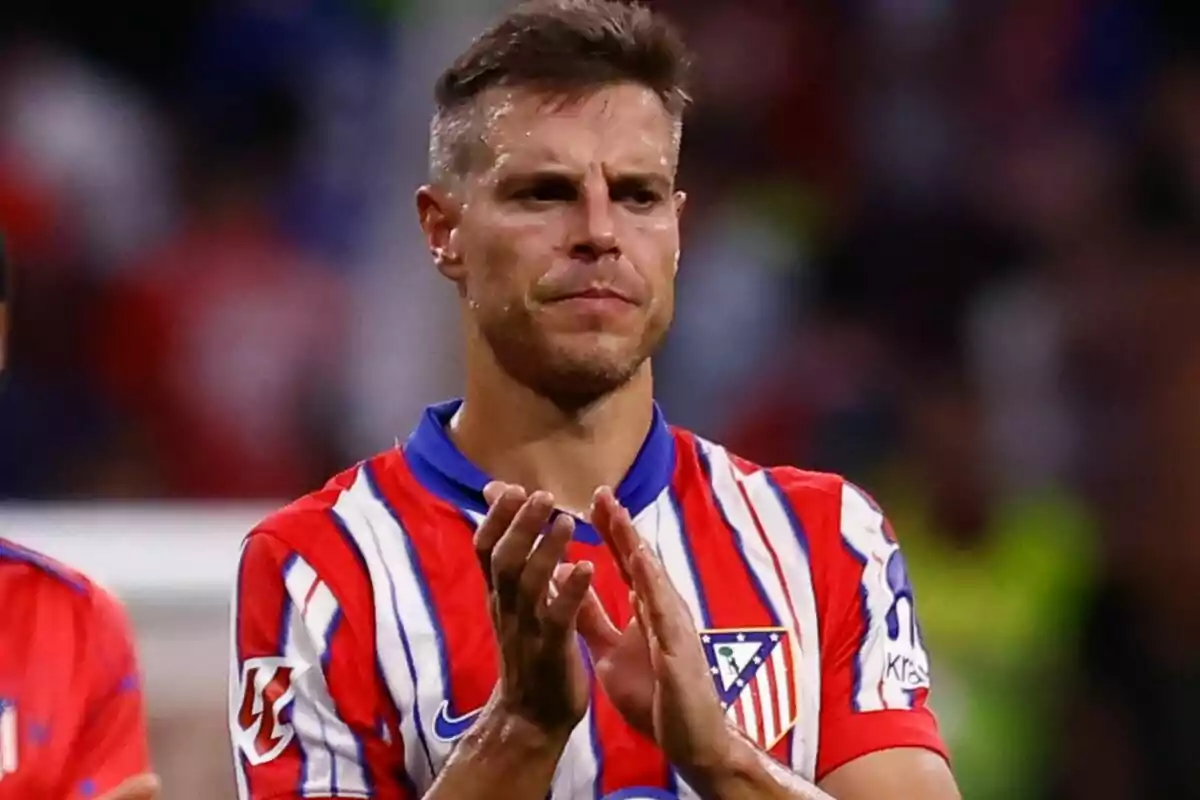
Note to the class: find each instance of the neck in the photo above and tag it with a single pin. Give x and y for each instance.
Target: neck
(517, 436)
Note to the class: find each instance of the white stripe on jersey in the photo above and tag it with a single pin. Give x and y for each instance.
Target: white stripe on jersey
(783, 687)
(664, 528)
(235, 682)
(405, 641)
(797, 574)
(762, 680)
(329, 750)
(862, 527)
(728, 494)
(673, 552)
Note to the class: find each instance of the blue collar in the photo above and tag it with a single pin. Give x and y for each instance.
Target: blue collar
(442, 468)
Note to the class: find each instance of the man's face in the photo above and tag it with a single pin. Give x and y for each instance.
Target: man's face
(566, 241)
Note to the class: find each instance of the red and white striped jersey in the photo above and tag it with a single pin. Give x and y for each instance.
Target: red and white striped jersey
(363, 648)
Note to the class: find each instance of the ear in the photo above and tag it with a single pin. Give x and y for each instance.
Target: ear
(440, 216)
(680, 202)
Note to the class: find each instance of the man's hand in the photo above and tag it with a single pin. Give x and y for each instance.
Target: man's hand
(657, 676)
(655, 671)
(543, 680)
(543, 691)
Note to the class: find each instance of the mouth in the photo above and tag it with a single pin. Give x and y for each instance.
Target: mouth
(595, 294)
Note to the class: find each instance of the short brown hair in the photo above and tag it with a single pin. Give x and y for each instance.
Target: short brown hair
(562, 47)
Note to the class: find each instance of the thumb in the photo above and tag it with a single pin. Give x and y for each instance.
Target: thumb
(595, 626)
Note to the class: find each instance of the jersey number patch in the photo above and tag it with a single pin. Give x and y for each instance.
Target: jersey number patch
(264, 716)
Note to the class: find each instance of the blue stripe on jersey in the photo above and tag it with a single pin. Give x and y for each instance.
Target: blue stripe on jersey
(794, 520)
(685, 540)
(368, 778)
(287, 714)
(344, 529)
(706, 468)
(856, 667)
(422, 584)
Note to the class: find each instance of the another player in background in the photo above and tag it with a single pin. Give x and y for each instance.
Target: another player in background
(72, 724)
(408, 631)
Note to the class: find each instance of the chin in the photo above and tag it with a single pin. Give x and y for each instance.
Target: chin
(572, 369)
(572, 375)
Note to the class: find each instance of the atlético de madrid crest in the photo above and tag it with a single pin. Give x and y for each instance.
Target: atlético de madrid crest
(752, 669)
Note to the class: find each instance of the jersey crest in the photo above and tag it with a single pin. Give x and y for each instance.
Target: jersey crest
(752, 669)
(8, 737)
(264, 728)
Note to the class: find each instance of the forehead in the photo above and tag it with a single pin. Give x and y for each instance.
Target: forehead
(617, 126)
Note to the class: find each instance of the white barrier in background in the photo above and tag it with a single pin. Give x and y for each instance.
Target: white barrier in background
(140, 552)
(172, 565)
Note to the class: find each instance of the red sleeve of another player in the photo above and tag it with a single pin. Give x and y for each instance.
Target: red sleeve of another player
(875, 670)
(307, 715)
(112, 743)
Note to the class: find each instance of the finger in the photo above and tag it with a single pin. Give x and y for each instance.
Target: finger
(505, 502)
(562, 611)
(537, 576)
(512, 551)
(660, 607)
(611, 520)
(495, 489)
(642, 624)
(596, 627)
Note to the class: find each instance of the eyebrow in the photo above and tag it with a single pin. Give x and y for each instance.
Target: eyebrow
(517, 176)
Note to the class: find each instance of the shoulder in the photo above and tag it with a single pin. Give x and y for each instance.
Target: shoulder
(39, 568)
(311, 538)
(813, 499)
(839, 523)
(65, 593)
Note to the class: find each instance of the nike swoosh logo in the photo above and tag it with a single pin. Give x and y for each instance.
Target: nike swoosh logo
(448, 728)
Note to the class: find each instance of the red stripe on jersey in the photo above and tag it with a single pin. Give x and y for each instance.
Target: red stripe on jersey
(734, 600)
(261, 624)
(729, 592)
(360, 695)
(442, 541)
(624, 758)
(783, 713)
(757, 702)
(782, 749)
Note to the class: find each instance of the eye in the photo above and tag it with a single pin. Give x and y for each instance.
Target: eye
(546, 190)
(637, 195)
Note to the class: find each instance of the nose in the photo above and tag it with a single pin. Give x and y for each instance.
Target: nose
(596, 235)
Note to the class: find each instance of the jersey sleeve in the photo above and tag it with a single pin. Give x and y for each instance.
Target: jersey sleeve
(112, 745)
(307, 715)
(874, 666)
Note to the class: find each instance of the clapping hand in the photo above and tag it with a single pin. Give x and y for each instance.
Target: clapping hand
(654, 671)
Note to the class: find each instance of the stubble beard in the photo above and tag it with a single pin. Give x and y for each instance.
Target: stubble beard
(572, 377)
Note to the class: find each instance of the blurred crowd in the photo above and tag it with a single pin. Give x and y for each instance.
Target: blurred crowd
(951, 250)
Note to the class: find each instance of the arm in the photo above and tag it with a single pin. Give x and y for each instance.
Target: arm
(307, 716)
(501, 749)
(111, 756)
(878, 737)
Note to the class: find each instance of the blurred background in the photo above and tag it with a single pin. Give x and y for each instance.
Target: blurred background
(950, 249)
